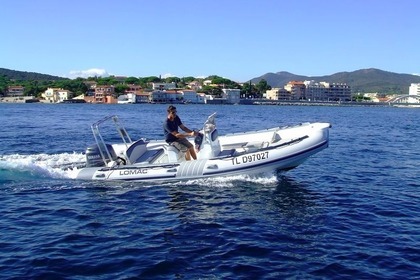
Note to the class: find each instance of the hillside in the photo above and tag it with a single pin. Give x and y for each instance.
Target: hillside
(26, 76)
(364, 80)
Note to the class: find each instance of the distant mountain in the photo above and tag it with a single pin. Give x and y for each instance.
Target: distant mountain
(364, 80)
(25, 76)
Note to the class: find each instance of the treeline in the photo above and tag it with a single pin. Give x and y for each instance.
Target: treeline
(35, 87)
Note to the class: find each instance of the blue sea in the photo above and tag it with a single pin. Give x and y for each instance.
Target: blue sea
(351, 211)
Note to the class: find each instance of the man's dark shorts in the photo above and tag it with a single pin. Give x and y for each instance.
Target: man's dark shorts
(182, 144)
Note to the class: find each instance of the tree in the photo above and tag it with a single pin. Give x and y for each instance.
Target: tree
(262, 86)
(120, 89)
(3, 84)
(132, 80)
(249, 90)
(172, 80)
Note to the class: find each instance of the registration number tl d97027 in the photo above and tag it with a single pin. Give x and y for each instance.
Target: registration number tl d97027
(250, 158)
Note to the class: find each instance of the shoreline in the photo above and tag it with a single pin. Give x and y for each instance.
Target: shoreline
(31, 99)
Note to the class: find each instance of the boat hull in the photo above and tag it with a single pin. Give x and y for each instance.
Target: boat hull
(303, 142)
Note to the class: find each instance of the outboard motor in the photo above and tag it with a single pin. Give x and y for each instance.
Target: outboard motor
(94, 158)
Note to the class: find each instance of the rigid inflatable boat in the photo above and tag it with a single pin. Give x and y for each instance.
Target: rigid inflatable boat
(253, 152)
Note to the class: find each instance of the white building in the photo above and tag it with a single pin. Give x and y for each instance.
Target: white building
(54, 95)
(127, 98)
(324, 91)
(278, 94)
(315, 91)
(191, 96)
(414, 89)
(232, 96)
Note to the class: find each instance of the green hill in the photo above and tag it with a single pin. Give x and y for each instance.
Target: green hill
(28, 76)
(364, 80)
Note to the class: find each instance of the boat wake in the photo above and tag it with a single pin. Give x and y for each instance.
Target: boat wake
(24, 167)
(269, 178)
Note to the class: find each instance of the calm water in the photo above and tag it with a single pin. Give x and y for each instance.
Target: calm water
(351, 211)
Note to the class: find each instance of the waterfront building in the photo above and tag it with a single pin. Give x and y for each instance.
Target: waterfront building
(128, 98)
(338, 92)
(414, 89)
(174, 96)
(191, 96)
(104, 94)
(158, 96)
(232, 96)
(315, 91)
(144, 97)
(297, 90)
(278, 94)
(323, 91)
(54, 95)
(13, 91)
(201, 98)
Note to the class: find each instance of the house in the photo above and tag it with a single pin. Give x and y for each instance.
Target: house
(158, 96)
(135, 89)
(174, 96)
(15, 91)
(191, 96)
(194, 85)
(55, 95)
(144, 97)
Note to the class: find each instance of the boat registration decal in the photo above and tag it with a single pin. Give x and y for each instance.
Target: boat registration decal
(250, 158)
(132, 172)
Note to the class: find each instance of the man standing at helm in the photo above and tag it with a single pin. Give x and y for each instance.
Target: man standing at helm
(179, 140)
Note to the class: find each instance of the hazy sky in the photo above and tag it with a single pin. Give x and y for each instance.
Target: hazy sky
(236, 39)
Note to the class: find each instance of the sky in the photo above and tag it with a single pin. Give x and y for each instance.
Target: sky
(234, 39)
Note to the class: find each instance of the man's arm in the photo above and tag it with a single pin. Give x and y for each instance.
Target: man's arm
(186, 129)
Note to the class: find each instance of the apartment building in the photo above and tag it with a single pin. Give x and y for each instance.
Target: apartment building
(297, 89)
(414, 89)
(323, 91)
(104, 94)
(278, 94)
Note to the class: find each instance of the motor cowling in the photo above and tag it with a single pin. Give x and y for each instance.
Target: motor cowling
(94, 158)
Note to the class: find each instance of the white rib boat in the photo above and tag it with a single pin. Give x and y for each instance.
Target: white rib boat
(279, 148)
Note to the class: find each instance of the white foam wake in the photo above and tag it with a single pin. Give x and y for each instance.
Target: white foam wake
(42, 165)
(231, 181)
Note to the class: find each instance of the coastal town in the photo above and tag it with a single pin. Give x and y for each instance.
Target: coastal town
(304, 92)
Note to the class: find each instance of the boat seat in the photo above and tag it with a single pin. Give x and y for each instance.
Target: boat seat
(149, 156)
(135, 151)
(255, 145)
